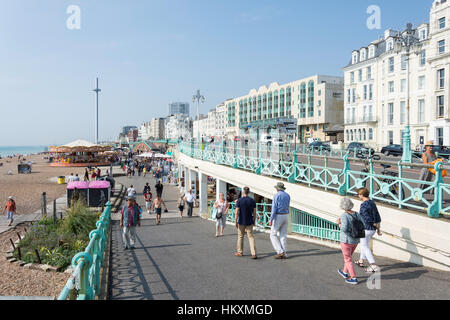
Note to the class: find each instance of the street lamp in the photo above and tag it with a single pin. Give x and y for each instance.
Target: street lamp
(198, 97)
(407, 42)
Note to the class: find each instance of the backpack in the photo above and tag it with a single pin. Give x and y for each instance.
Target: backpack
(357, 230)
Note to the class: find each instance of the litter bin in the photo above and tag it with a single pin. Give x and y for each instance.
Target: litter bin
(61, 180)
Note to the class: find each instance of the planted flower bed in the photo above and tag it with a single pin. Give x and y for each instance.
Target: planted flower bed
(56, 244)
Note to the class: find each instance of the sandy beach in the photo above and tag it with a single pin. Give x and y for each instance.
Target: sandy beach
(27, 188)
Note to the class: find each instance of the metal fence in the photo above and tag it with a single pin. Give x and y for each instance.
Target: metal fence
(84, 283)
(301, 222)
(392, 187)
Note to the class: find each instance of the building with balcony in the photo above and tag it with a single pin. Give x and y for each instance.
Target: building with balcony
(315, 102)
(178, 126)
(380, 81)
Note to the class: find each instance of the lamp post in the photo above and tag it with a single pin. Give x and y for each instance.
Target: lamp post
(198, 97)
(96, 90)
(408, 43)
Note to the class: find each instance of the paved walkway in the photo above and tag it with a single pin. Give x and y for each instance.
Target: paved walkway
(182, 259)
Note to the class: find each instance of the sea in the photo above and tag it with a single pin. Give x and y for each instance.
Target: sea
(22, 150)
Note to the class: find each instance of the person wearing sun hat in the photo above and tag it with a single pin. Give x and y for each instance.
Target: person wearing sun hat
(279, 221)
(10, 209)
(428, 157)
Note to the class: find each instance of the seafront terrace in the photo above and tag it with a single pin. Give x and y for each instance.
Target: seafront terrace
(397, 186)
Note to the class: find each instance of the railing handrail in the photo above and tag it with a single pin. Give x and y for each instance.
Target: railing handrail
(86, 274)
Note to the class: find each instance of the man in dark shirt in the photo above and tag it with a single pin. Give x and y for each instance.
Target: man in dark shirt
(159, 188)
(246, 217)
(146, 188)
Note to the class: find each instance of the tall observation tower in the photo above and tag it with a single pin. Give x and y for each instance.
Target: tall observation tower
(96, 90)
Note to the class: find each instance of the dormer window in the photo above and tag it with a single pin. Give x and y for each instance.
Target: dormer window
(371, 52)
(363, 55)
(355, 57)
(423, 34)
(390, 45)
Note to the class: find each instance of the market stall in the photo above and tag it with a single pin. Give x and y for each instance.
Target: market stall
(81, 153)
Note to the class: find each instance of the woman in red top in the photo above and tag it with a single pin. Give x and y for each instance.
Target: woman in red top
(10, 209)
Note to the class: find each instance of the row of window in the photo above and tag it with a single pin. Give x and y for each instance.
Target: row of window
(358, 135)
(367, 115)
(360, 75)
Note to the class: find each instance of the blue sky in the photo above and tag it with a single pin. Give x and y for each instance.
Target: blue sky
(150, 52)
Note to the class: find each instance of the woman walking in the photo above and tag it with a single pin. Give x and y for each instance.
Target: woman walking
(348, 242)
(371, 218)
(428, 157)
(86, 175)
(180, 204)
(222, 209)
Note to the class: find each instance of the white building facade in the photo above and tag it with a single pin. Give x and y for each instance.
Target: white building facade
(178, 126)
(381, 81)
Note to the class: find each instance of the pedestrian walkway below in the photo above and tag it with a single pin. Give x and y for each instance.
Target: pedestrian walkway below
(182, 259)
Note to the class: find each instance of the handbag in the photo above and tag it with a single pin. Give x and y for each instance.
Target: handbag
(217, 214)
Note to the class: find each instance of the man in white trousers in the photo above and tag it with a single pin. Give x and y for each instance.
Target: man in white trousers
(279, 221)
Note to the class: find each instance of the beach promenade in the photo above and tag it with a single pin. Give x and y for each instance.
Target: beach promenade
(182, 259)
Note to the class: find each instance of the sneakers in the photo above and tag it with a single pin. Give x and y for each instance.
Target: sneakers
(343, 274)
(280, 256)
(237, 254)
(352, 281)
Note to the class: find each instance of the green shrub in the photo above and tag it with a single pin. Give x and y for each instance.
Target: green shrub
(58, 243)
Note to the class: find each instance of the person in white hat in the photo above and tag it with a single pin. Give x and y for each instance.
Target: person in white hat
(279, 221)
(10, 209)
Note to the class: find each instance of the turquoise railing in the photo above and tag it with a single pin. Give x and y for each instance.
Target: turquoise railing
(303, 168)
(301, 222)
(84, 283)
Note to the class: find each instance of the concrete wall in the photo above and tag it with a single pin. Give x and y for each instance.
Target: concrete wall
(407, 236)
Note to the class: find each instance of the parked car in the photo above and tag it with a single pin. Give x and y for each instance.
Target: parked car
(318, 146)
(442, 152)
(393, 150)
(360, 148)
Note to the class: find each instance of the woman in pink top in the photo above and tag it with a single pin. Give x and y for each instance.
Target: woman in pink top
(222, 209)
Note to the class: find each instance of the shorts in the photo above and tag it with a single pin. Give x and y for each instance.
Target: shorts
(10, 215)
(181, 208)
(158, 210)
(148, 205)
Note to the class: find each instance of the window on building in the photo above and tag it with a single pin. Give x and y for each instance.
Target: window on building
(422, 58)
(364, 119)
(359, 135)
(311, 99)
(391, 86)
(364, 135)
(370, 91)
(440, 136)
(404, 62)
(370, 134)
(353, 115)
(370, 113)
(402, 112)
(390, 45)
(391, 137)
(403, 85)
(347, 134)
(423, 34)
(369, 73)
(391, 65)
(441, 23)
(441, 78)
(352, 77)
(421, 82)
(320, 93)
(351, 135)
(390, 113)
(440, 106)
(365, 92)
(441, 46)
(421, 109)
(348, 95)
(354, 95)
(360, 77)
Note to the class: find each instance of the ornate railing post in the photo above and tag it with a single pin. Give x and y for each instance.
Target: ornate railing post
(85, 291)
(436, 206)
(343, 189)
(235, 160)
(293, 176)
(400, 182)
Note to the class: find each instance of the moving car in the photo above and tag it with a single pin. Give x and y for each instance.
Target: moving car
(318, 146)
(360, 148)
(393, 150)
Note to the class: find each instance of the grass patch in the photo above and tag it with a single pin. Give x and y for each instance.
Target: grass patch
(58, 243)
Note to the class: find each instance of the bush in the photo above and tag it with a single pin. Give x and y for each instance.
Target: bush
(58, 243)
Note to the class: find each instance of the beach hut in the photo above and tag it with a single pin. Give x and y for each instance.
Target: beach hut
(99, 192)
(81, 187)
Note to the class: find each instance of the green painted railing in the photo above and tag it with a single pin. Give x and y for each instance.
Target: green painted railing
(396, 190)
(84, 283)
(301, 222)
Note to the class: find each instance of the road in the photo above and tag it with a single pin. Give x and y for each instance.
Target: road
(182, 259)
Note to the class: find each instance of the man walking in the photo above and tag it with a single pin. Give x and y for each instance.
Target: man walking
(130, 218)
(157, 207)
(279, 221)
(131, 192)
(246, 218)
(190, 200)
(159, 188)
